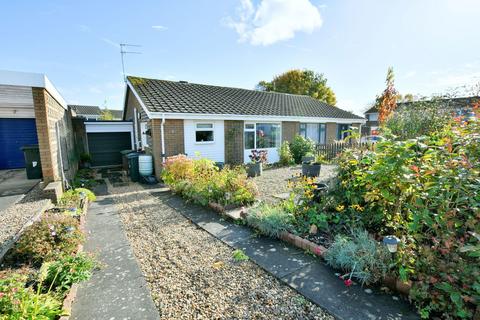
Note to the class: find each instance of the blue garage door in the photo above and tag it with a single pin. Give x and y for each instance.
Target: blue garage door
(15, 133)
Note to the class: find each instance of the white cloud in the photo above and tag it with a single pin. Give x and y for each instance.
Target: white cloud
(274, 20)
(159, 28)
(410, 74)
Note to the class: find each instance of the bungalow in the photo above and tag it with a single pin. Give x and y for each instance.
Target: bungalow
(224, 124)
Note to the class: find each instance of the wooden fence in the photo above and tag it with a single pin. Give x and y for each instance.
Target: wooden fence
(331, 150)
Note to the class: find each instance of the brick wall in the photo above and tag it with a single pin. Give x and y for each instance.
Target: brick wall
(290, 130)
(174, 143)
(233, 141)
(55, 137)
(331, 134)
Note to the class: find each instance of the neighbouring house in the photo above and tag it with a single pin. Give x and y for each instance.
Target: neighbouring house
(86, 112)
(225, 124)
(32, 111)
(371, 126)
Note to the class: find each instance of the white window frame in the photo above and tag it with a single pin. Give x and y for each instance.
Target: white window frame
(204, 129)
(254, 130)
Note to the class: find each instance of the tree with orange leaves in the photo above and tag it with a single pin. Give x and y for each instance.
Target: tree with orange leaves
(387, 102)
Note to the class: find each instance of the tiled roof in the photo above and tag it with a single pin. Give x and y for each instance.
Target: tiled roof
(85, 110)
(182, 97)
(372, 110)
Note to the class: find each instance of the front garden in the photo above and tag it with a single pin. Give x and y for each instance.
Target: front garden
(37, 273)
(420, 195)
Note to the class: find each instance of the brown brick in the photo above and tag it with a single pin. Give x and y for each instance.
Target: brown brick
(289, 130)
(233, 141)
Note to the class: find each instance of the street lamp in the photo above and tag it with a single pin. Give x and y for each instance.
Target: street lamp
(392, 243)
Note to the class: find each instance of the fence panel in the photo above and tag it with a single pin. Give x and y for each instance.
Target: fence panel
(331, 150)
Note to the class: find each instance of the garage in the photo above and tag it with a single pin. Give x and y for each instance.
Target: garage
(106, 139)
(15, 133)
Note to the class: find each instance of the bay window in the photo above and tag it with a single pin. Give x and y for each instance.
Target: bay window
(262, 135)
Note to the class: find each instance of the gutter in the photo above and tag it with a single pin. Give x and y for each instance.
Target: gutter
(163, 137)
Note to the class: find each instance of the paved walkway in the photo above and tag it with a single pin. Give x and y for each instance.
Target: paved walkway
(118, 290)
(308, 275)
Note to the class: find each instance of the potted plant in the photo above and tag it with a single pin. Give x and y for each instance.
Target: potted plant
(258, 158)
(308, 157)
(85, 160)
(312, 168)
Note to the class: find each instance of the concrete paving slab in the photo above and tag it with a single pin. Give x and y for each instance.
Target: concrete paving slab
(118, 290)
(319, 283)
(277, 257)
(13, 186)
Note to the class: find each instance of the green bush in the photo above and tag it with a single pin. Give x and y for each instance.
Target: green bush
(51, 237)
(202, 181)
(286, 157)
(17, 301)
(426, 192)
(72, 197)
(61, 274)
(300, 147)
(418, 118)
(270, 220)
(359, 255)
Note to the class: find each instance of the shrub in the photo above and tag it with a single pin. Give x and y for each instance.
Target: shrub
(286, 157)
(20, 302)
(359, 255)
(270, 220)
(425, 191)
(61, 274)
(203, 182)
(51, 237)
(418, 118)
(72, 197)
(300, 147)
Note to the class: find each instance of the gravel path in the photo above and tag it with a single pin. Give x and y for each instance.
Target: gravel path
(274, 181)
(14, 217)
(192, 275)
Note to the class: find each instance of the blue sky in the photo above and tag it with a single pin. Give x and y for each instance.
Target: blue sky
(431, 44)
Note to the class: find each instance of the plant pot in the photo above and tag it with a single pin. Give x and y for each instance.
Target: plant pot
(254, 169)
(307, 159)
(311, 170)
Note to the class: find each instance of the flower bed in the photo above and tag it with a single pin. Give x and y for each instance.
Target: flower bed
(423, 191)
(46, 261)
(204, 183)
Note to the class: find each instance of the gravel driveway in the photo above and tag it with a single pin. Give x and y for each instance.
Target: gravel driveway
(274, 181)
(192, 275)
(15, 216)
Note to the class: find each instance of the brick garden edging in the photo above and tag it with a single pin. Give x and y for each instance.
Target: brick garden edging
(72, 293)
(393, 283)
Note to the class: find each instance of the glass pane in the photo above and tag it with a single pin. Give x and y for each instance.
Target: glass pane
(312, 131)
(323, 132)
(249, 126)
(303, 129)
(249, 140)
(204, 126)
(204, 136)
(268, 135)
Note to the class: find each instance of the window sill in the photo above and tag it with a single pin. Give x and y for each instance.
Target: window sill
(204, 142)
